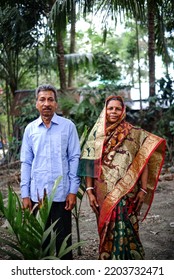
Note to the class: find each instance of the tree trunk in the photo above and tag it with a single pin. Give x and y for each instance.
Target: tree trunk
(7, 109)
(72, 42)
(138, 58)
(61, 62)
(151, 48)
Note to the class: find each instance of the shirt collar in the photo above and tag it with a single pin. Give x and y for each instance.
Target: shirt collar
(53, 120)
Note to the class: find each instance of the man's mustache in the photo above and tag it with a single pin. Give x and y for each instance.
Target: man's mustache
(47, 108)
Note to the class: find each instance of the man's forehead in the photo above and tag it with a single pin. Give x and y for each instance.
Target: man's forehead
(46, 93)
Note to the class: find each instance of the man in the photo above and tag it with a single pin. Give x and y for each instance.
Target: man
(50, 148)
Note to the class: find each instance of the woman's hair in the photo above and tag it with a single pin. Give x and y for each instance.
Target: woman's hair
(119, 98)
(46, 87)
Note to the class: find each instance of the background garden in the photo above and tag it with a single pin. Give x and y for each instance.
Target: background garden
(88, 49)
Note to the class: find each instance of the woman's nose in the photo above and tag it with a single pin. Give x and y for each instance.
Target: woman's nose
(114, 109)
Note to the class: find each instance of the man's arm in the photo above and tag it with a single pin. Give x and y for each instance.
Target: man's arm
(73, 159)
(26, 157)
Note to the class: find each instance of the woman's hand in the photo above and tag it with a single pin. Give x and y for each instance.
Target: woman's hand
(143, 190)
(93, 202)
(139, 200)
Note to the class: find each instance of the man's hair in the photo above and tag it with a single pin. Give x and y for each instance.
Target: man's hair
(46, 87)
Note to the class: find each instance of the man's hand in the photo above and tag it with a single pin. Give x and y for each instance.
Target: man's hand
(70, 201)
(27, 203)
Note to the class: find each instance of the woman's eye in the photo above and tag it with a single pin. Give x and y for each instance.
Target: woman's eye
(116, 109)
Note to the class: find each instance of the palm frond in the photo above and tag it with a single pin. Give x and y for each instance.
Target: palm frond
(77, 60)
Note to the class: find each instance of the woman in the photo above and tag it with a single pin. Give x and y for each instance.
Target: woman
(121, 165)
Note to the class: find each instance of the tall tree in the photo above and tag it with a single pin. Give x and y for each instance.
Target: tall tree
(17, 25)
(72, 41)
(138, 9)
(63, 12)
(151, 46)
(164, 27)
(58, 17)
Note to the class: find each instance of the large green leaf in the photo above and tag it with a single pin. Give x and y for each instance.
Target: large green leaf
(64, 249)
(43, 213)
(51, 248)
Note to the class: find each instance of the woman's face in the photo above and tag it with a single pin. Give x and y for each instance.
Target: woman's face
(113, 110)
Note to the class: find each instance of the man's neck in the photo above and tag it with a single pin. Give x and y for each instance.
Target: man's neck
(47, 121)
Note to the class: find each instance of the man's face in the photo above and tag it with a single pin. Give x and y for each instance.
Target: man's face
(46, 103)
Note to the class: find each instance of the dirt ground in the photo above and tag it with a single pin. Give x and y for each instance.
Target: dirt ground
(156, 232)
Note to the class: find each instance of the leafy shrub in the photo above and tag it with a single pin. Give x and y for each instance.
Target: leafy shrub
(26, 233)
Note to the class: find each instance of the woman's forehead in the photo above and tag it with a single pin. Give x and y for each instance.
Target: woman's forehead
(114, 103)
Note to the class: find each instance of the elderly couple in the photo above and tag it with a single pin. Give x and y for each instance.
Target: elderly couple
(121, 165)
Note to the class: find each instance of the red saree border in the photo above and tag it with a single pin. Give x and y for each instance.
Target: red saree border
(163, 148)
(126, 184)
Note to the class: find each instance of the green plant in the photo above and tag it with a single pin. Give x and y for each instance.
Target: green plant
(26, 233)
(76, 213)
(166, 90)
(66, 103)
(80, 194)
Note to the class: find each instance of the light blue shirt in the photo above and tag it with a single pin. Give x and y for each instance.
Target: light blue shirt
(46, 154)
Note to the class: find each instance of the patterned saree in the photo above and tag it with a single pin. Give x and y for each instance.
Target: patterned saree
(115, 156)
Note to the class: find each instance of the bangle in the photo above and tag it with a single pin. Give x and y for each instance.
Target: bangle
(143, 190)
(89, 188)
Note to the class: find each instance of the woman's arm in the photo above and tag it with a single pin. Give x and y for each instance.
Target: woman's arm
(144, 178)
(89, 182)
(92, 199)
(143, 189)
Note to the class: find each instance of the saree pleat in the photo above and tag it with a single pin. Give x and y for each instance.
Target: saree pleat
(122, 240)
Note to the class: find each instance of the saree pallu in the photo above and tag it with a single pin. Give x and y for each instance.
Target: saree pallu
(116, 189)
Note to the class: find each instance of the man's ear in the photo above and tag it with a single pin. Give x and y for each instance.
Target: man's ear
(36, 105)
